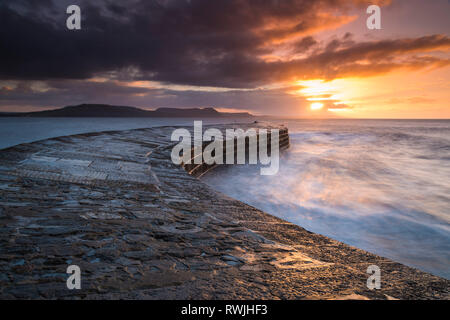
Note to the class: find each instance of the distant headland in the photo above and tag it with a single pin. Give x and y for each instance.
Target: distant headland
(105, 110)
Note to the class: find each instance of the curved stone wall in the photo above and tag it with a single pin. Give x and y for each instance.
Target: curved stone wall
(198, 170)
(140, 227)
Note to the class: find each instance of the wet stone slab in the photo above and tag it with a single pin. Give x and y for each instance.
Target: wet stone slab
(140, 227)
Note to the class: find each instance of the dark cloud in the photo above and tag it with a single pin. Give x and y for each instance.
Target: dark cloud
(345, 58)
(195, 42)
(215, 43)
(304, 44)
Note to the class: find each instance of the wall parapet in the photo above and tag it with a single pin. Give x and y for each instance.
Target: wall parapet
(198, 170)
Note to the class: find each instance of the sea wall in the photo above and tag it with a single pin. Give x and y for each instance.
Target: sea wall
(200, 169)
(140, 227)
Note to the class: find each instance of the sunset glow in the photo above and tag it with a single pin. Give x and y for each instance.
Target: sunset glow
(217, 150)
(286, 59)
(316, 106)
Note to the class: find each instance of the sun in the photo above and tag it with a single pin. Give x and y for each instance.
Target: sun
(335, 95)
(316, 106)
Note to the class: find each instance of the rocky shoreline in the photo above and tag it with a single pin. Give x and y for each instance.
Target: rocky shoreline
(140, 227)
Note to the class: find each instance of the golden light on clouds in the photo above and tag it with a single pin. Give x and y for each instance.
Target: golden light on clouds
(315, 88)
(327, 95)
(316, 106)
(395, 95)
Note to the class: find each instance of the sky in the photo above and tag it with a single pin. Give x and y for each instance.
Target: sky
(285, 58)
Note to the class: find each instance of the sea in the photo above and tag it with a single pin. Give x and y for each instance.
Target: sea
(379, 185)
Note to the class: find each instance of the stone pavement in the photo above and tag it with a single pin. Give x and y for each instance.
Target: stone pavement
(140, 227)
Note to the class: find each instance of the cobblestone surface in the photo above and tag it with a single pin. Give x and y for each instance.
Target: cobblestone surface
(141, 227)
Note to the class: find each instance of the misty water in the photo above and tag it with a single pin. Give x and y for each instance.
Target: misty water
(379, 185)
